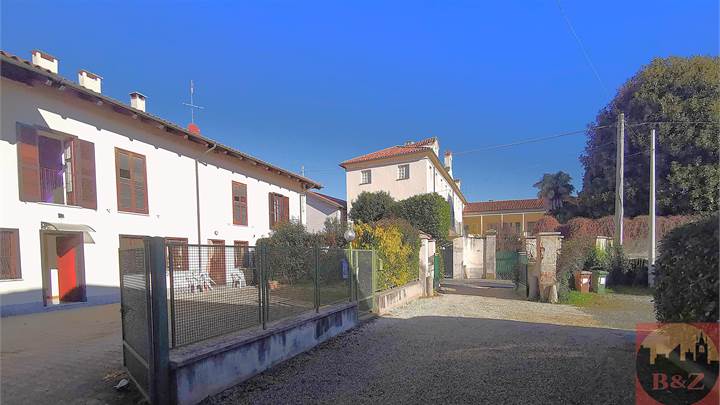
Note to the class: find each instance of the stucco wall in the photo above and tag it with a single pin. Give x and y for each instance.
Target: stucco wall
(384, 178)
(473, 256)
(170, 164)
(318, 211)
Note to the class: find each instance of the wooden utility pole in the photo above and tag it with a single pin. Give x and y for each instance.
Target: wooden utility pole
(651, 253)
(619, 180)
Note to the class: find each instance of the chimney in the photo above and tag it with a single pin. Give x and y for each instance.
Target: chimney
(448, 162)
(90, 81)
(193, 128)
(458, 182)
(45, 61)
(408, 143)
(137, 101)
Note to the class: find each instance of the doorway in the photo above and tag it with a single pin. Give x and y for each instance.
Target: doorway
(64, 268)
(217, 265)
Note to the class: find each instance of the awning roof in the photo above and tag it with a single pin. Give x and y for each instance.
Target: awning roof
(57, 226)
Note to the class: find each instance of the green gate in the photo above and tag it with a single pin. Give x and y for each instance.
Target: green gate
(506, 263)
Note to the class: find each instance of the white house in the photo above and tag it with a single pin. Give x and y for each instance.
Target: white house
(404, 171)
(84, 175)
(320, 207)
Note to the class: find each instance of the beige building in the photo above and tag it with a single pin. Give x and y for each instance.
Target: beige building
(520, 215)
(404, 171)
(320, 207)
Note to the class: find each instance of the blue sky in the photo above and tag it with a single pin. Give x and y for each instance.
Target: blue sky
(314, 83)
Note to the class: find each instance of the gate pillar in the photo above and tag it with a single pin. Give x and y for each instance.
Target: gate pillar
(548, 248)
(489, 255)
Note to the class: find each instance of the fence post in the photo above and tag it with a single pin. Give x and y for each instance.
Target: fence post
(263, 286)
(317, 281)
(171, 270)
(159, 371)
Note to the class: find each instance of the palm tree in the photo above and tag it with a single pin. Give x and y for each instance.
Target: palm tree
(554, 189)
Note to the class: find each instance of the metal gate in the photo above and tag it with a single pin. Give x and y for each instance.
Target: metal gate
(447, 257)
(521, 276)
(144, 315)
(135, 312)
(505, 265)
(364, 264)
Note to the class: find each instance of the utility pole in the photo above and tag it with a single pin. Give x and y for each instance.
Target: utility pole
(651, 254)
(619, 180)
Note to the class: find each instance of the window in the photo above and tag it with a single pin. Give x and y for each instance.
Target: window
(279, 209)
(403, 172)
(365, 177)
(239, 203)
(55, 168)
(9, 254)
(242, 254)
(178, 253)
(131, 178)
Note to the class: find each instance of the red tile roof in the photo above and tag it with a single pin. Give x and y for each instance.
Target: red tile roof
(534, 204)
(330, 199)
(397, 150)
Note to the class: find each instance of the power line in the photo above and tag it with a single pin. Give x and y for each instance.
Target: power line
(582, 47)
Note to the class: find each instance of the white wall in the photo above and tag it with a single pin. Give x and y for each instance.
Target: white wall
(318, 211)
(385, 178)
(170, 164)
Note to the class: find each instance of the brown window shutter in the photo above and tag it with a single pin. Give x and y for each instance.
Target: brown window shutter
(28, 163)
(124, 184)
(285, 208)
(84, 172)
(10, 254)
(139, 183)
(239, 203)
(271, 199)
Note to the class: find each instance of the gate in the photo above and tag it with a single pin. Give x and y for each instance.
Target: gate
(505, 265)
(365, 264)
(521, 276)
(144, 315)
(447, 257)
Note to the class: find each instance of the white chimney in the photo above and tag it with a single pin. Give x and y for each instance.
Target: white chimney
(448, 162)
(137, 101)
(458, 182)
(45, 61)
(90, 81)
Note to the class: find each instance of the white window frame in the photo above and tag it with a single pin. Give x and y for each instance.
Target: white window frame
(365, 176)
(400, 176)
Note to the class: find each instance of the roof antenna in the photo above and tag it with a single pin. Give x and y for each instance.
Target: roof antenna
(192, 127)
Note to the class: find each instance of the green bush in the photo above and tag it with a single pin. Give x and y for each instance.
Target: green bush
(686, 283)
(397, 244)
(289, 252)
(334, 233)
(618, 267)
(573, 257)
(429, 213)
(371, 207)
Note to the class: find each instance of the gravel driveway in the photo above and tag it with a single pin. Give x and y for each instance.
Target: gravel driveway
(470, 345)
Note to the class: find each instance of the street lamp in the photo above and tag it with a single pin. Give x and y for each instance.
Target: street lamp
(349, 233)
(349, 237)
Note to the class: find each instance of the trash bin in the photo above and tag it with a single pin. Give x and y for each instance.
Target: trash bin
(598, 281)
(582, 281)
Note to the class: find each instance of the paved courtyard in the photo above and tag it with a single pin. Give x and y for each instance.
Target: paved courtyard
(473, 344)
(63, 357)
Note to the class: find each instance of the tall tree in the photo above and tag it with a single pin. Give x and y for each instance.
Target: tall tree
(681, 96)
(554, 189)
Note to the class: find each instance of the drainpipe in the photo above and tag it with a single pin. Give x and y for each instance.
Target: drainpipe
(197, 192)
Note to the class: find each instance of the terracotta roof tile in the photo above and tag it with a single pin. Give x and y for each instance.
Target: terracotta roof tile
(397, 150)
(505, 205)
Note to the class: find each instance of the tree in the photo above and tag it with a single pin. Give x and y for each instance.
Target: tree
(682, 94)
(429, 213)
(555, 189)
(334, 233)
(371, 207)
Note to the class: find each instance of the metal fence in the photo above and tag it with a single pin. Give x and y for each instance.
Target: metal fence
(217, 289)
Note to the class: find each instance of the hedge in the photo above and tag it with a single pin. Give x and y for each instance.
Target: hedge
(371, 207)
(397, 244)
(686, 273)
(429, 213)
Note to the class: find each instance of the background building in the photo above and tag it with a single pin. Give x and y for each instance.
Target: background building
(519, 215)
(320, 207)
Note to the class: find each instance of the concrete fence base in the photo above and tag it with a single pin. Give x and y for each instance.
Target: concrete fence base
(211, 366)
(398, 296)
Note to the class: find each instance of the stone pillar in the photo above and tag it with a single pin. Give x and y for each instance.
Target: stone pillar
(533, 270)
(458, 265)
(548, 249)
(489, 251)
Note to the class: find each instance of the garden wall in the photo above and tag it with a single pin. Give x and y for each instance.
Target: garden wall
(398, 296)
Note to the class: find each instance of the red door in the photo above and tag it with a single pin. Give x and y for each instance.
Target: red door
(68, 255)
(217, 261)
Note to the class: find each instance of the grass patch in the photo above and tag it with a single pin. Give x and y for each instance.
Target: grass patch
(579, 299)
(608, 300)
(630, 290)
